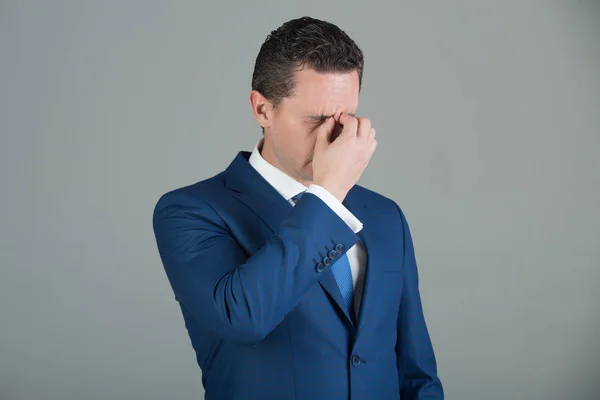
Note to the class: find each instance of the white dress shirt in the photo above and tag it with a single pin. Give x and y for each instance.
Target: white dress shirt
(288, 187)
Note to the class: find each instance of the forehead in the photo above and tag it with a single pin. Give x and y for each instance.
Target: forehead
(325, 93)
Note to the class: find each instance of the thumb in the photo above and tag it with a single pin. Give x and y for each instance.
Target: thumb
(324, 133)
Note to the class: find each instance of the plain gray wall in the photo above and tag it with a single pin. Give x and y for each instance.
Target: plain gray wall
(487, 115)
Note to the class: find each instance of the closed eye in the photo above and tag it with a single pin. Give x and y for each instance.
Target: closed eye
(318, 119)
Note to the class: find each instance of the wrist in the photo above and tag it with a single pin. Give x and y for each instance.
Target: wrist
(337, 191)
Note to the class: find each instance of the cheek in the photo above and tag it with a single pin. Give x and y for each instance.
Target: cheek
(296, 140)
(288, 130)
(297, 135)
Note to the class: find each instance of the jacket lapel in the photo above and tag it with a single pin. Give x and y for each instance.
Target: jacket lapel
(256, 193)
(373, 278)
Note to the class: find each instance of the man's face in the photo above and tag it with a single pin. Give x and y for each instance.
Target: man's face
(290, 138)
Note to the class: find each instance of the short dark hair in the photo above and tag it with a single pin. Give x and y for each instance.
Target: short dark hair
(302, 42)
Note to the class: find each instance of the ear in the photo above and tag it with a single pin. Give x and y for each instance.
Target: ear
(262, 109)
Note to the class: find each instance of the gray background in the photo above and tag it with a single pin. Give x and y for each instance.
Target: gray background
(487, 116)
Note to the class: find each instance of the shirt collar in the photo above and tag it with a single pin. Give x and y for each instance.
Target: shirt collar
(284, 184)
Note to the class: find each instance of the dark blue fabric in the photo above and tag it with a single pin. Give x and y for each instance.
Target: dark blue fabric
(267, 319)
(341, 271)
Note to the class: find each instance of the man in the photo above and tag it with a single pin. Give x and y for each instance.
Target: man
(293, 281)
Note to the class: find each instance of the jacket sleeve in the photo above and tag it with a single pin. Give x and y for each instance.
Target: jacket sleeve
(243, 298)
(417, 370)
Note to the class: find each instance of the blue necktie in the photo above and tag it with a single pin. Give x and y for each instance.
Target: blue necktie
(341, 272)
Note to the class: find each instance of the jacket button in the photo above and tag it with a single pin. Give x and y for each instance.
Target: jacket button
(326, 261)
(339, 248)
(320, 267)
(333, 254)
(356, 360)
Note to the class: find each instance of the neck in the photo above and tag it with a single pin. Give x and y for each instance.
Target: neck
(270, 156)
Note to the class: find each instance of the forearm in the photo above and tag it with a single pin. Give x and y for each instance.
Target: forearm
(238, 297)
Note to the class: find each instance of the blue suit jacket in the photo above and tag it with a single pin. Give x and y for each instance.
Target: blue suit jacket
(266, 320)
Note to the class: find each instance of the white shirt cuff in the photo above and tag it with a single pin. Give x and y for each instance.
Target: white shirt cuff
(336, 206)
